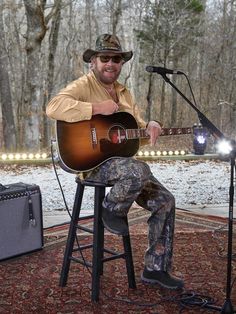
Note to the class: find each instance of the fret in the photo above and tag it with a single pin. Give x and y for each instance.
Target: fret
(129, 133)
(144, 133)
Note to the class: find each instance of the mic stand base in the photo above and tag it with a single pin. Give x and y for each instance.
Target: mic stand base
(227, 307)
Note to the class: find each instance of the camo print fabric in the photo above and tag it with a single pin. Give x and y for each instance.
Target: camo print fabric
(132, 180)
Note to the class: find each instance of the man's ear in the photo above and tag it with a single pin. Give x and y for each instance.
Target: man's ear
(92, 62)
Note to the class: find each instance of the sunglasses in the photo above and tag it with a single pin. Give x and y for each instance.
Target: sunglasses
(115, 59)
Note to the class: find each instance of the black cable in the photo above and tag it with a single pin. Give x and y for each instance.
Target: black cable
(185, 300)
(190, 299)
(67, 208)
(58, 180)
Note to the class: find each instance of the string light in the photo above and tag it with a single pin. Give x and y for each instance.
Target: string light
(160, 153)
(4, 156)
(11, 156)
(44, 156)
(17, 156)
(23, 156)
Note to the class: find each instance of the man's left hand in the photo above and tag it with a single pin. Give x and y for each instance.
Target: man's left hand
(153, 130)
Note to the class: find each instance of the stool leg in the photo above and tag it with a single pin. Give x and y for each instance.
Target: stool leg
(71, 235)
(98, 242)
(129, 261)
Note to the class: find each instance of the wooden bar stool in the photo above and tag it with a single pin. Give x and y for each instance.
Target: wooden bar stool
(97, 246)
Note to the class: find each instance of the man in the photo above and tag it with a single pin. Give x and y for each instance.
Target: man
(99, 92)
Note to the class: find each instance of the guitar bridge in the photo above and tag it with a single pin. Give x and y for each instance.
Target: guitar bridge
(93, 136)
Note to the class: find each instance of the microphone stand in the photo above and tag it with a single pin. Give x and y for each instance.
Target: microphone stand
(227, 307)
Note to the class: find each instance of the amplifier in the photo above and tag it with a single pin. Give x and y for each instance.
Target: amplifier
(21, 225)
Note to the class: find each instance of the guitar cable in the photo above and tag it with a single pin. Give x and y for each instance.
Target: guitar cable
(66, 205)
(53, 141)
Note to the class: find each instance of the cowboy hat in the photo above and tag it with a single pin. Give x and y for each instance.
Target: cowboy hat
(107, 43)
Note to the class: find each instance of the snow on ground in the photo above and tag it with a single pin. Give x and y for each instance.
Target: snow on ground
(191, 182)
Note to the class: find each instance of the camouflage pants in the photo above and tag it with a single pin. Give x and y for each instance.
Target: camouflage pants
(133, 180)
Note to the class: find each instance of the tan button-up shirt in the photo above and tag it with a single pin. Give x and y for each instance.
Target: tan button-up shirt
(74, 103)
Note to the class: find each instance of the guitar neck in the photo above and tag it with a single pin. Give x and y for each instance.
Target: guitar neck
(142, 133)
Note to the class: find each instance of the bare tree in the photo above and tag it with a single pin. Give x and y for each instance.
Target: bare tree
(31, 109)
(55, 16)
(9, 130)
(219, 64)
(168, 28)
(116, 13)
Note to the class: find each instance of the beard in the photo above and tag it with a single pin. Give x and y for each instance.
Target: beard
(108, 75)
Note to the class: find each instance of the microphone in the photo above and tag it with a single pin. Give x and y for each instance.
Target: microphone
(162, 71)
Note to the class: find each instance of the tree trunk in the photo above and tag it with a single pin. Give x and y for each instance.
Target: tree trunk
(53, 41)
(173, 115)
(9, 130)
(116, 12)
(149, 98)
(31, 109)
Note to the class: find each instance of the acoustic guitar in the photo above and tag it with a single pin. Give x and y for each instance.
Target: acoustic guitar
(84, 145)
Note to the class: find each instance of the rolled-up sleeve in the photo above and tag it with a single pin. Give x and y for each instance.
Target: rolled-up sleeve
(73, 103)
(66, 108)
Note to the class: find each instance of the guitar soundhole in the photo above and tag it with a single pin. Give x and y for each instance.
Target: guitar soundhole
(117, 134)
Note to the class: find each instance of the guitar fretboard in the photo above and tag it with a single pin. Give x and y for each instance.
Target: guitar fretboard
(142, 133)
(176, 131)
(136, 133)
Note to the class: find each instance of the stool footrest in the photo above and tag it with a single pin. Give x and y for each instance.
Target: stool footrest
(110, 258)
(81, 261)
(86, 217)
(89, 230)
(83, 247)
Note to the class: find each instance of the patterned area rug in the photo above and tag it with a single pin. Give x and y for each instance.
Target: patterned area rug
(29, 283)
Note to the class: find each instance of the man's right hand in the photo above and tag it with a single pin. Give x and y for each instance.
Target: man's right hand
(105, 107)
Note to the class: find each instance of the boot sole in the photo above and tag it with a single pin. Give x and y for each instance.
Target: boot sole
(156, 282)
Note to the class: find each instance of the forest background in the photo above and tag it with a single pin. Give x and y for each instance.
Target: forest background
(41, 47)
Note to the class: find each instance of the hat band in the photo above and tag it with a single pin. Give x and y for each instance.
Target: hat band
(109, 48)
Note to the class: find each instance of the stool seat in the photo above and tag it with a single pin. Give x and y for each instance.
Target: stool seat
(97, 245)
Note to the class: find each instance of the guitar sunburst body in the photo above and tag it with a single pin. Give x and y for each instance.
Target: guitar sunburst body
(84, 145)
